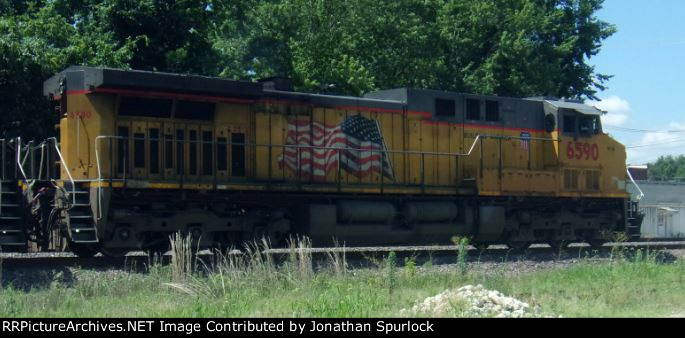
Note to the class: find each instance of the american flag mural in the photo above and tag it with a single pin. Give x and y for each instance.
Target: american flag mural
(525, 140)
(357, 143)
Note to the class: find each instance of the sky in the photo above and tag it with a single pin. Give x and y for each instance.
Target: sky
(646, 97)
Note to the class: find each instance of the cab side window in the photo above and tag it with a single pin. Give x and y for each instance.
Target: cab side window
(444, 108)
(569, 124)
(472, 109)
(491, 111)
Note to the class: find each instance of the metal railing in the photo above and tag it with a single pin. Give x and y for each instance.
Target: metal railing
(302, 153)
(641, 194)
(63, 163)
(26, 157)
(19, 160)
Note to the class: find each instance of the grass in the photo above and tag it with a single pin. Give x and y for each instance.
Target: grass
(633, 284)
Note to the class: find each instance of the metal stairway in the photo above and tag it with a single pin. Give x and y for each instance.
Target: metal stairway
(12, 229)
(635, 217)
(80, 221)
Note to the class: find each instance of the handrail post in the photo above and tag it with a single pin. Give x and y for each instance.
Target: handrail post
(382, 169)
(481, 157)
(180, 170)
(4, 162)
(111, 162)
(32, 159)
(299, 168)
(16, 163)
(283, 149)
(99, 180)
(66, 168)
(423, 173)
(457, 159)
(499, 169)
(19, 160)
(215, 160)
(530, 146)
(269, 159)
(125, 161)
(339, 177)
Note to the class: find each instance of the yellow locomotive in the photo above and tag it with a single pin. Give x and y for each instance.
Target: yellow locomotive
(142, 155)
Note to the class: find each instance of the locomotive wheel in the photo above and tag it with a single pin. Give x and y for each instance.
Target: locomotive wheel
(83, 250)
(557, 245)
(480, 246)
(518, 245)
(113, 252)
(157, 252)
(596, 243)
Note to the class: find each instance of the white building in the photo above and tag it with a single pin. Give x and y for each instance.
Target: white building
(663, 204)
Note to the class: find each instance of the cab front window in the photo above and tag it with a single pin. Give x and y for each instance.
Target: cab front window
(588, 125)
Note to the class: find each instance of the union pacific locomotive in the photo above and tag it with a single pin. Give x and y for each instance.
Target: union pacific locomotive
(142, 155)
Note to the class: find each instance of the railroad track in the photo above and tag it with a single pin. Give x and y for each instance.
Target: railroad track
(354, 255)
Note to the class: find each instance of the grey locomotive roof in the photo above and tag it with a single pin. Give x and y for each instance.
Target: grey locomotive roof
(579, 107)
(515, 112)
(89, 78)
(334, 100)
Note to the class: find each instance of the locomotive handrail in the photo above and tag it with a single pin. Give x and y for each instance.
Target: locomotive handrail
(3, 144)
(301, 146)
(64, 164)
(639, 197)
(411, 152)
(478, 139)
(97, 165)
(19, 164)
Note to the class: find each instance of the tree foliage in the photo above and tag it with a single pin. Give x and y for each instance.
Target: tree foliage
(35, 43)
(667, 168)
(502, 47)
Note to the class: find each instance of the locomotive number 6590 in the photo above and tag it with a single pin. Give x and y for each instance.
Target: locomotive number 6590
(582, 150)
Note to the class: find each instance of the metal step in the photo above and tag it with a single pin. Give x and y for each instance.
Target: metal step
(76, 205)
(80, 217)
(9, 244)
(13, 224)
(81, 223)
(83, 235)
(80, 230)
(14, 231)
(12, 234)
(12, 238)
(81, 226)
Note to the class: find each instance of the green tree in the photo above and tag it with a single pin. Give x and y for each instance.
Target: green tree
(523, 47)
(357, 46)
(667, 168)
(37, 42)
(503, 47)
(170, 36)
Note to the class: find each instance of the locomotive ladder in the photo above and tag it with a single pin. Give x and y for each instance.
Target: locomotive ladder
(80, 220)
(12, 229)
(635, 217)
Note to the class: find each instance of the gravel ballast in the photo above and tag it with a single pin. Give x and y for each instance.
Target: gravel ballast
(471, 301)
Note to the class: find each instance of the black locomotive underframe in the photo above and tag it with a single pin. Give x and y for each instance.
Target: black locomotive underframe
(144, 218)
